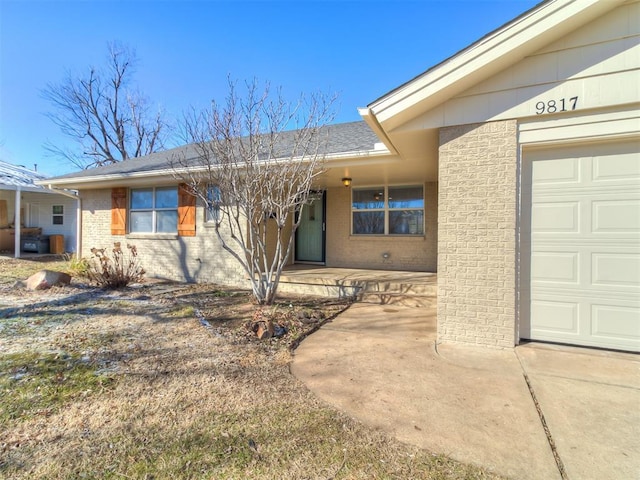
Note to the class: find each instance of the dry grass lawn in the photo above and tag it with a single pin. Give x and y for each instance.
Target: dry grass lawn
(131, 384)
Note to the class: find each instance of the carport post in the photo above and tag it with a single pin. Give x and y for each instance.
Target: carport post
(17, 223)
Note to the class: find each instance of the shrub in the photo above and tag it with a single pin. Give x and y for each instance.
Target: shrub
(116, 270)
(77, 266)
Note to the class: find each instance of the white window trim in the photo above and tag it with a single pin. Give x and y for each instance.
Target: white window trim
(386, 209)
(55, 215)
(153, 210)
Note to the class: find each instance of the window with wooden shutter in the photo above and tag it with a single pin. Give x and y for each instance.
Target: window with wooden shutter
(186, 212)
(118, 211)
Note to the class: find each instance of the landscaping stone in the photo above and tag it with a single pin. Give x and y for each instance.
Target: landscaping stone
(45, 279)
(264, 330)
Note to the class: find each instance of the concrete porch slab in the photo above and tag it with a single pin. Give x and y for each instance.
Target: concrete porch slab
(389, 287)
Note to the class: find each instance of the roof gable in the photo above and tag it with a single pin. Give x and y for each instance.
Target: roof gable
(528, 33)
(574, 73)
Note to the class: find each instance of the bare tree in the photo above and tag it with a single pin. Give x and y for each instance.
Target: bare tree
(256, 159)
(109, 121)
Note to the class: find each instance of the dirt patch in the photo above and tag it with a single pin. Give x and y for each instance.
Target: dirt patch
(168, 381)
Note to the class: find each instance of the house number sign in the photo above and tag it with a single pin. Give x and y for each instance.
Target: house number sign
(553, 106)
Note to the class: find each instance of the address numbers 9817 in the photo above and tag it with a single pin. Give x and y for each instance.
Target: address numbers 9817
(553, 106)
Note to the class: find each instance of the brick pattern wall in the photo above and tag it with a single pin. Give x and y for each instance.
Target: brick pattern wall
(190, 259)
(359, 251)
(477, 234)
(202, 259)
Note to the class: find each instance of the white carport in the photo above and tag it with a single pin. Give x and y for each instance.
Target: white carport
(25, 204)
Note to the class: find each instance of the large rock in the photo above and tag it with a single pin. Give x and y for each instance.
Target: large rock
(46, 279)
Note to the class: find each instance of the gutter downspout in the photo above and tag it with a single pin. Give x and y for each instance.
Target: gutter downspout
(17, 223)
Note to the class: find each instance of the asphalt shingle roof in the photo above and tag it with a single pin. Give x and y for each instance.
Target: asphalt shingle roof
(341, 138)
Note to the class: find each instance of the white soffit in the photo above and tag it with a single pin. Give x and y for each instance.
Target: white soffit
(491, 54)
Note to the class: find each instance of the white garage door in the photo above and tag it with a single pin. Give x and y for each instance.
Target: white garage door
(585, 245)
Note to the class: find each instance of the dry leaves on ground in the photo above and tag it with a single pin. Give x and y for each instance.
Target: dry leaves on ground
(168, 381)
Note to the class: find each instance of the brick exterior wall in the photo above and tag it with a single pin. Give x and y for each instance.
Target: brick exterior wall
(477, 215)
(405, 253)
(202, 259)
(189, 259)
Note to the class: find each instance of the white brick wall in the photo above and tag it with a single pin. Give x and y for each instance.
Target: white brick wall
(202, 259)
(190, 259)
(477, 234)
(405, 253)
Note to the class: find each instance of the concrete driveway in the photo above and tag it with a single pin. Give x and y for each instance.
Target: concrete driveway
(535, 412)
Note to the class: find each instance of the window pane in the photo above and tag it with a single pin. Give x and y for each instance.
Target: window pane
(142, 198)
(368, 223)
(368, 198)
(212, 213)
(406, 197)
(141, 222)
(213, 204)
(406, 222)
(213, 194)
(58, 220)
(167, 221)
(167, 197)
(58, 209)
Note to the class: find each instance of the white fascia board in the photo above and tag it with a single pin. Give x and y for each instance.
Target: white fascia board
(62, 191)
(358, 155)
(151, 177)
(489, 55)
(372, 121)
(24, 188)
(79, 183)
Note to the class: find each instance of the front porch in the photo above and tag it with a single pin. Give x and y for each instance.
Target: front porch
(387, 287)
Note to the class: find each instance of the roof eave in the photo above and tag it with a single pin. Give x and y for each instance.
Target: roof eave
(138, 178)
(24, 188)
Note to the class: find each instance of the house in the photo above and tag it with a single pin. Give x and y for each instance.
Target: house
(512, 169)
(40, 213)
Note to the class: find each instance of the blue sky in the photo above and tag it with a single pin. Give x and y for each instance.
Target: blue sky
(186, 50)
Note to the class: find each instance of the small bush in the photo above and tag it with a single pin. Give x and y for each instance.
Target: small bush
(78, 266)
(116, 270)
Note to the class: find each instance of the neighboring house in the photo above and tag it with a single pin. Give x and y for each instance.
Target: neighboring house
(512, 169)
(37, 210)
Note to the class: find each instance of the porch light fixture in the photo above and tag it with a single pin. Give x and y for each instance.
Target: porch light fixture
(346, 181)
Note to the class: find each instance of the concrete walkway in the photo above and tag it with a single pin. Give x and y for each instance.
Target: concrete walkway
(380, 365)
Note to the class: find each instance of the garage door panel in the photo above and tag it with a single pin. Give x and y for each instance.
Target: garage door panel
(555, 217)
(557, 172)
(616, 216)
(622, 168)
(615, 322)
(554, 267)
(556, 316)
(616, 269)
(584, 270)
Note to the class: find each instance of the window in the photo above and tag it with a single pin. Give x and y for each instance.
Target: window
(397, 210)
(154, 210)
(58, 214)
(212, 212)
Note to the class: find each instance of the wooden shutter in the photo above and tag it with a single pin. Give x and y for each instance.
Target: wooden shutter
(118, 211)
(4, 216)
(186, 212)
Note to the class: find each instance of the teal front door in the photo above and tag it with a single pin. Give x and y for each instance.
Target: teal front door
(310, 235)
